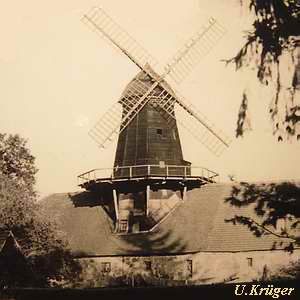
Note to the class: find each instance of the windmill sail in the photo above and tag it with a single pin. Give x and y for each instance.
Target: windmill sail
(138, 94)
(189, 117)
(135, 99)
(194, 50)
(107, 127)
(102, 23)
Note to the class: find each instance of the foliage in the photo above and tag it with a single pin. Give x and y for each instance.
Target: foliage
(272, 204)
(243, 119)
(275, 34)
(41, 242)
(17, 162)
(291, 271)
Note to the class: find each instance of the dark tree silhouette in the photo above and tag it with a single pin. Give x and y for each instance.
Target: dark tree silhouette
(42, 244)
(272, 203)
(275, 34)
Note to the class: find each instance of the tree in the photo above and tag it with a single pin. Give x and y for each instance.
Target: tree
(42, 243)
(272, 48)
(274, 40)
(17, 163)
(272, 203)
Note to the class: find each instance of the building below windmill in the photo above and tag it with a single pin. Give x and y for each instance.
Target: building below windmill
(192, 242)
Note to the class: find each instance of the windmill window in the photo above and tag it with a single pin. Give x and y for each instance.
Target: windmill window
(161, 133)
(106, 267)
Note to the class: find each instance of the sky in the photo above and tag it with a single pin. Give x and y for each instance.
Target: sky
(58, 77)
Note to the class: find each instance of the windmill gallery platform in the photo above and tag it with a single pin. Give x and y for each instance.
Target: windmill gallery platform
(128, 193)
(191, 243)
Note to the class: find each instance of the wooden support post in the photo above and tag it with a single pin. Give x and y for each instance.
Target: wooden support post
(147, 199)
(184, 193)
(115, 196)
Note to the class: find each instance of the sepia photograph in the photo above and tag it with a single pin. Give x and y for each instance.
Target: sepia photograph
(150, 149)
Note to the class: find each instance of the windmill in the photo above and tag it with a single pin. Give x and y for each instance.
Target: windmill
(144, 119)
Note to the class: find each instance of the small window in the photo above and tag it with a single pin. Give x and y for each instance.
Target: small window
(106, 267)
(189, 265)
(148, 265)
(250, 261)
(161, 133)
(123, 226)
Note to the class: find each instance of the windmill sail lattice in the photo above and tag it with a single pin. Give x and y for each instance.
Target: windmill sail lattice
(138, 94)
(98, 20)
(109, 126)
(194, 50)
(186, 113)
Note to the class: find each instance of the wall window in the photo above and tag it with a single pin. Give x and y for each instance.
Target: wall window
(148, 265)
(250, 261)
(106, 267)
(189, 266)
(123, 226)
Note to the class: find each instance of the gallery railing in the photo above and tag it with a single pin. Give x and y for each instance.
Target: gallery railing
(128, 172)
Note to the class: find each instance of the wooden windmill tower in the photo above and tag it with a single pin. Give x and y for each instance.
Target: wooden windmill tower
(149, 155)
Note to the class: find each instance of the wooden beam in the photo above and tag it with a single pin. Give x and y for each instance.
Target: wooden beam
(147, 199)
(184, 193)
(115, 196)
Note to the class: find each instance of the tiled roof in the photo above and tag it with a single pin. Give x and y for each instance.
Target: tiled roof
(198, 224)
(7, 238)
